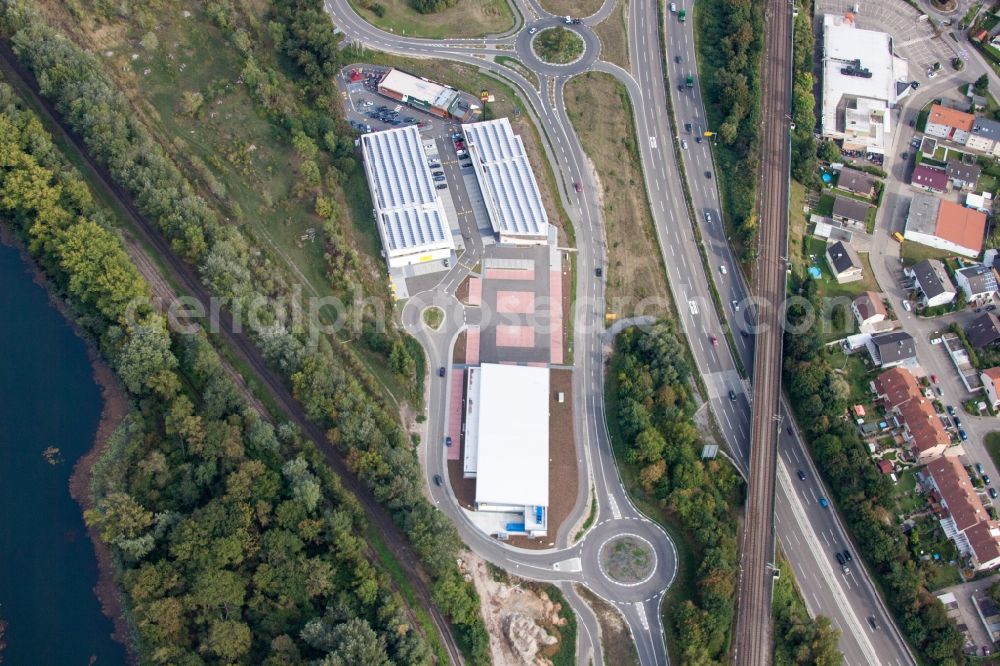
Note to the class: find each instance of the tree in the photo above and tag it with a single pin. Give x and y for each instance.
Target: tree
(145, 352)
(829, 151)
(191, 102)
(228, 639)
(150, 42)
(982, 85)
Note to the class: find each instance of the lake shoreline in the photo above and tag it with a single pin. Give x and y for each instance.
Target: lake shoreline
(113, 411)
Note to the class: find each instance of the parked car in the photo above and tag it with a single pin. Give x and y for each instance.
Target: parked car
(992, 492)
(963, 436)
(951, 411)
(801, 475)
(442, 186)
(906, 305)
(986, 479)
(434, 165)
(958, 421)
(447, 441)
(933, 379)
(438, 481)
(439, 173)
(979, 469)
(441, 371)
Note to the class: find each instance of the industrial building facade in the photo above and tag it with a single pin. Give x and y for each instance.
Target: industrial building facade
(507, 443)
(408, 212)
(424, 94)
(509, 188)
(862, 80)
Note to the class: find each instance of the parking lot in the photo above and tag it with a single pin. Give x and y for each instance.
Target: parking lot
(913, 39)
(369, 111)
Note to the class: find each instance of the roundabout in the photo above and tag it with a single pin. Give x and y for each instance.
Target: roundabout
(526, 46)
(558, 46)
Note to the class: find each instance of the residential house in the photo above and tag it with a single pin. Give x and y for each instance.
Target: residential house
(928, 145)
(850, 211)
(963, 517)
(976, 103)
(963, 176)
(983, 331)
(869, 311)
(929, 178)
(985, 136)
(946, 123)
(931, 279)
(923, 431)
(857, 182)
(845, 264)
(991, 382)
(891, 349)
(978, 282)
(946, 225)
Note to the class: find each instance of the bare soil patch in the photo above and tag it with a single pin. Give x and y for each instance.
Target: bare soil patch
(458, 356)
(576, 8)
(635, 276)
(523, 623)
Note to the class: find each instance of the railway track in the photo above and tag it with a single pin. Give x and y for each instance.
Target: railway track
(187, 280)
(753, 644)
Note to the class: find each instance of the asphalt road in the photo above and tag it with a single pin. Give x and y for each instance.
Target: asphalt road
(809, 534)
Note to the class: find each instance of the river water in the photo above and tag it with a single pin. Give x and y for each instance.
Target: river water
(48, 398)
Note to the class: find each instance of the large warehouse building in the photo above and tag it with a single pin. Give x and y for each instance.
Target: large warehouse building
(422, 94)
(508, 183)
(408, 211)
(507, 444)
(862, 80)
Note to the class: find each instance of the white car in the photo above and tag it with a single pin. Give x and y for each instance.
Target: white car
(906, 306)
(532, 31)
(673, 7)
(684, 144)
(722, 269)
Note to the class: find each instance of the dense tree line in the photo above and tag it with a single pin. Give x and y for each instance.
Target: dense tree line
(799, 640)
(731, 43)
(656, 403)
(334, 386)
(432, 6)
(803, 152)
(864, 496)
(235, 543)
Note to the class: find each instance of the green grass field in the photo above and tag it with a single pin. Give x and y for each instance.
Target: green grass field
(467, 18)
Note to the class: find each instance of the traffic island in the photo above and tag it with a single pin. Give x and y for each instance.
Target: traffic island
(558, 46)
(627, 559)
(433, 317)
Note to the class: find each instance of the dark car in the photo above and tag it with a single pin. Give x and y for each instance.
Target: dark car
(840, 559)
(873, 623)
(951, 411)
(986, 479)
(442, 186)
(697, 139)
(958, 421)
(687, 127)
(847, 556)
(447, 441)
(964, 437)
(992, 492)
(441, 371)
(438, 173)
(599, 271)
(466, 165)
(732, 395)
(438, 481)
(708, 174)
(801, 475)
(434, 165)
(677, 59)
(789, 430)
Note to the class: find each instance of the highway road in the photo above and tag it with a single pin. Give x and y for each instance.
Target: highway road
(809, 533)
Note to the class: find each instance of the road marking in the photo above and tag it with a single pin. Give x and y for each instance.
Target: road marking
(641, 610)
(614, 508)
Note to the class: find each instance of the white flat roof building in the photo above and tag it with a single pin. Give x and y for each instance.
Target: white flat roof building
(408, 211)
(512, 466)
(508, 183)
(862, 80)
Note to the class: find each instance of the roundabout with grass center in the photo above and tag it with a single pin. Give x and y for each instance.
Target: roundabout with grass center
(627, 559)
(558, 46)
(433, 317)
